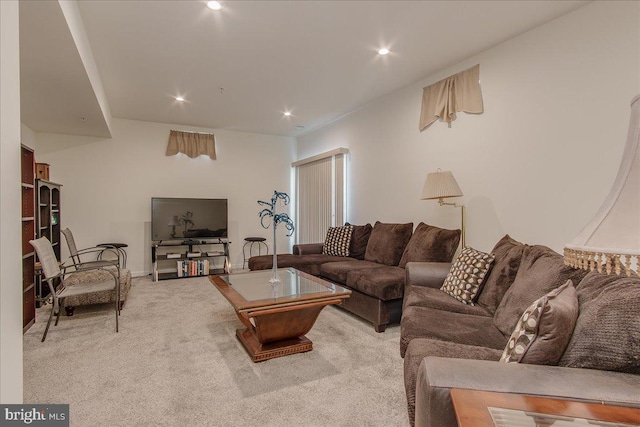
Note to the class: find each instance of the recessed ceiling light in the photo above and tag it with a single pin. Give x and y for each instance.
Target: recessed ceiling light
(179, 99)
(383, 51)
(287, 113)
(214, 5)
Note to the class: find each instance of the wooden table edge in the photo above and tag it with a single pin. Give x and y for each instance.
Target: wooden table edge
(240, 304)
(471, 407)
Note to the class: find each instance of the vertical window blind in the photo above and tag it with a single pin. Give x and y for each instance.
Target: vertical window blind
(320, 194)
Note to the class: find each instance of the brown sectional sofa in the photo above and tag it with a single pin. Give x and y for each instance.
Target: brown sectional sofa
(447, 344)
(374, 270)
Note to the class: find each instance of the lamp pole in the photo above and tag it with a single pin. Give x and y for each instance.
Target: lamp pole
(462, 208)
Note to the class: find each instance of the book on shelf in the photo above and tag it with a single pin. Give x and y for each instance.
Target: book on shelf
(193, 254)
(171, 256)
(187, 268)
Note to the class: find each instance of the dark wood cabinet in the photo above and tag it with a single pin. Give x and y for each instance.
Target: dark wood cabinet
(27, 166)
(47, 225)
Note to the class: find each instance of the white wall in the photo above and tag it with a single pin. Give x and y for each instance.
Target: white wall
(10, 202)
(540, 160)
(108, 183)
(28, 137)
(73, 17)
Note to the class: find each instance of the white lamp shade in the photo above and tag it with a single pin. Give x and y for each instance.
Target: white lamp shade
(440, 185)
(610, 242)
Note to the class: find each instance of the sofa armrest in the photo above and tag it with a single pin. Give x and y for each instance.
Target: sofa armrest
(307, 248)
(438, 375)
(428, 274)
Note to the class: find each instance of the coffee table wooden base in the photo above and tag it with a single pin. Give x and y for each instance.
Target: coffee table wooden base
(280, 331)
(277, 317)
(261, 352)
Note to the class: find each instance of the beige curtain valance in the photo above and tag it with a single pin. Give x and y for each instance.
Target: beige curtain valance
(193, 144)
(460, 92)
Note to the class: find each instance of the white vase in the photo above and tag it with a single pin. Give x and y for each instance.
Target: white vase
(275, 278)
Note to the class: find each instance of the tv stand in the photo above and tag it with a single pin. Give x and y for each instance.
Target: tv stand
(192, 242)
(202, 258)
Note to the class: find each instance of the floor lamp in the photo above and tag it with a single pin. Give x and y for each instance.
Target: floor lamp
(441, 185)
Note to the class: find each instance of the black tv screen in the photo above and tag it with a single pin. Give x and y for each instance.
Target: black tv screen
(188, 219)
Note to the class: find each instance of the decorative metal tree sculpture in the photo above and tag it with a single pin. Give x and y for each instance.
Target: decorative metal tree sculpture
(277, 219)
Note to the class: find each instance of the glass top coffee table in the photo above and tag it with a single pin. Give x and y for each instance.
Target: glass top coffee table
(277, 316)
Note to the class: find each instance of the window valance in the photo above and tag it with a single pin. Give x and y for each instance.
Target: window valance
(193, 144)
(443, 99)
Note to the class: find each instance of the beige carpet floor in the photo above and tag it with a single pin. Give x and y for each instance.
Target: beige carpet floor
(176, 362)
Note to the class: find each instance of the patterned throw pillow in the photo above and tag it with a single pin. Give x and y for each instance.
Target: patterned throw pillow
(543, 332)
(467, 274)
(337, 241)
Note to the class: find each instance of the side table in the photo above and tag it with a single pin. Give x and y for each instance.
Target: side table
(250, 241)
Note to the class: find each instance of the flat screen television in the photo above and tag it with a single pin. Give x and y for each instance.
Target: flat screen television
(188, 219)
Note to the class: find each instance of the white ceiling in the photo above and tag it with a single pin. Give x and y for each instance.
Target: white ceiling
(56, 94)
(316, 59)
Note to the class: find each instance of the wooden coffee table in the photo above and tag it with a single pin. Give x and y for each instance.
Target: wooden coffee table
(474, 408)
(277, 317)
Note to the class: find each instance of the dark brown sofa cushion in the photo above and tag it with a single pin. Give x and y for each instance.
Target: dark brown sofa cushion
(607, 332)
(420, 348)
(430, 244)
(508, 254)
(385, 283)
(422, 322)
(541, 270)
(308, 263)
(337, 271)
(387, 242)
(307, 248)
(422, 296)
(359, 240)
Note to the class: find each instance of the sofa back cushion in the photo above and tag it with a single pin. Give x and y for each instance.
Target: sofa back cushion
(387, 242)
(607, 333)
(508, 254)
(430, 244)
(541, 270)
(359, 240)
